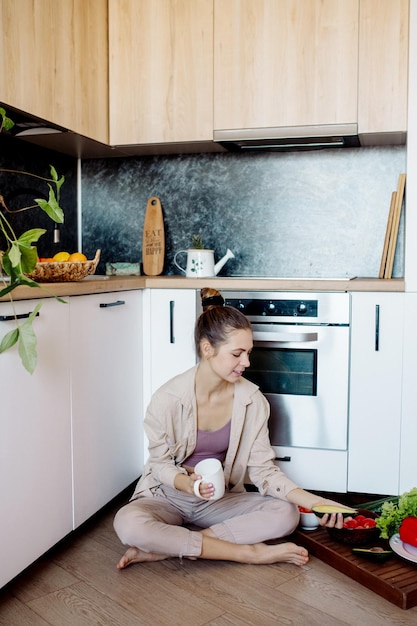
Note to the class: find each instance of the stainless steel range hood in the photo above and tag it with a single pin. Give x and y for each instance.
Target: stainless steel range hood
(282, 139)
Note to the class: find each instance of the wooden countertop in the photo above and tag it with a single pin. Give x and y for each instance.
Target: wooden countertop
(102, 284)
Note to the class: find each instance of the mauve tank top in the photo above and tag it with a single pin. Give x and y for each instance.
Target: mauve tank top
(210, 445)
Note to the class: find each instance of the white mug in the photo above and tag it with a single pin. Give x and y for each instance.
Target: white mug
(211, 471)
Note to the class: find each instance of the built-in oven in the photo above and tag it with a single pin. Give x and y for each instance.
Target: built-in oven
(300, 360)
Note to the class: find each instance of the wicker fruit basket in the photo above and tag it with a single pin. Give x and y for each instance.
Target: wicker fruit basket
(55, 272)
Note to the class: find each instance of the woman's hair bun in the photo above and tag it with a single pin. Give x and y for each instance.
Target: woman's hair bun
(211, 297)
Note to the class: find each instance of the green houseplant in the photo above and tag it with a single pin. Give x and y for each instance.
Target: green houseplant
(197, 242)
(20, 256)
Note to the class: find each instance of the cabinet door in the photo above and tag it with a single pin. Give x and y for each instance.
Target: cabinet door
(56, 59)
(161, 71)
(35, 440)
(172, 333)
(383, 65)
(168, 339)
(106, 366)
(375, 392)
(324, 470)
(408, 464)
(286, 63)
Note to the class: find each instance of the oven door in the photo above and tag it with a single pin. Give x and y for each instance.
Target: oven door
(303, 372)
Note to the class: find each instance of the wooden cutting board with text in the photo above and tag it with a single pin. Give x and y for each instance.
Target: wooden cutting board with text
(153, 240)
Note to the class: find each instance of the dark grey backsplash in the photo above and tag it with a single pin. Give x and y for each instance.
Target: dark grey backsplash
(307, 214)
(20, 190)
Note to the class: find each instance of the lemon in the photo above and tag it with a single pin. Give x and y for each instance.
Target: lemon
(61, 256)
(77, 257)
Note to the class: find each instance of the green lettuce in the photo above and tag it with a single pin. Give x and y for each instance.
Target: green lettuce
(392, 514)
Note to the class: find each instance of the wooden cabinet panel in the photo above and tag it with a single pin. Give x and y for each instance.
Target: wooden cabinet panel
(54, 57)
(161, 71)
(286, 63)
(383, 55)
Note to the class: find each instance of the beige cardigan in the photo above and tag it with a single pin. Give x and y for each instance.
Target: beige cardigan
(171, 428)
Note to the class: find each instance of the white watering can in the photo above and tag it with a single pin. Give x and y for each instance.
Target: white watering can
(200, 263)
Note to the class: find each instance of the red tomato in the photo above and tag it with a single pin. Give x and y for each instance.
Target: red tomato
(369, 523)
(360, 518)
(303, 509)
(352, 523)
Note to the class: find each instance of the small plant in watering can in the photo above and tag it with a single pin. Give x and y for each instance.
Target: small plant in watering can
(197, 242)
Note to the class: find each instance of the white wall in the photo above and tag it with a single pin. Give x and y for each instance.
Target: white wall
(411, 184)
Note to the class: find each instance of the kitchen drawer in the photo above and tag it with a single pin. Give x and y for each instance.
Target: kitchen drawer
(311, 468)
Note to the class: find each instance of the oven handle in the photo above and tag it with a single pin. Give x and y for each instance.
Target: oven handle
(275, 337)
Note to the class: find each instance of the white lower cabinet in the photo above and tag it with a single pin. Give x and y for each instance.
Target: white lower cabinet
(408, 462)
(168, 338)
(71, 434)
(106, 379)
(35, 440)
(375, 392)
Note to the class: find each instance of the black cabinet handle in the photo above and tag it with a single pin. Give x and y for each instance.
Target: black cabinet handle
(376, 327)
(171, 321)
(21, 316)
(104, 305)
(283, 458)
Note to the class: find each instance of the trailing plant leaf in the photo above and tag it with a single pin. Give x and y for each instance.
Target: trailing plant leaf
(19, 259)
(31, 236)
(28, 258)
(58, 181)
(51, 206)
(18, 280)
(6, 123)
(9, 339)
(27, 342)
(14, 254)
(20, 256)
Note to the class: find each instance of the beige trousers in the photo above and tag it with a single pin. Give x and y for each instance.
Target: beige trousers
(156, 524)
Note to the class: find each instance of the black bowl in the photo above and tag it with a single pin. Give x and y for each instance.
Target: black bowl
(356, 536)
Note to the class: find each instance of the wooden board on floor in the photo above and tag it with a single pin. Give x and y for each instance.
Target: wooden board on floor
(395, 580)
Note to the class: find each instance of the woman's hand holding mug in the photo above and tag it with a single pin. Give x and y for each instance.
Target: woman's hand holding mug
(211, 484)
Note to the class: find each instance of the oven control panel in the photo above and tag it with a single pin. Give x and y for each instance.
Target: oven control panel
(274, 307)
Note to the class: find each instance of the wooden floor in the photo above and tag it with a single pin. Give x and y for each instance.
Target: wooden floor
(77, 584)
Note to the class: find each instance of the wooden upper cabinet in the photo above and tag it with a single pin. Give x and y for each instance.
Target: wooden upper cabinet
(54, 59)
(161, 71)
(383, 68)
(285, 63)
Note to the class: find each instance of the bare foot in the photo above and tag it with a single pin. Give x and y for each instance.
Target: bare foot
(259, 553)
(134, 555)
(279, 553)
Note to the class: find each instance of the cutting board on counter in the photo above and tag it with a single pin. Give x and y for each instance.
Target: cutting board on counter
(153, 239)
